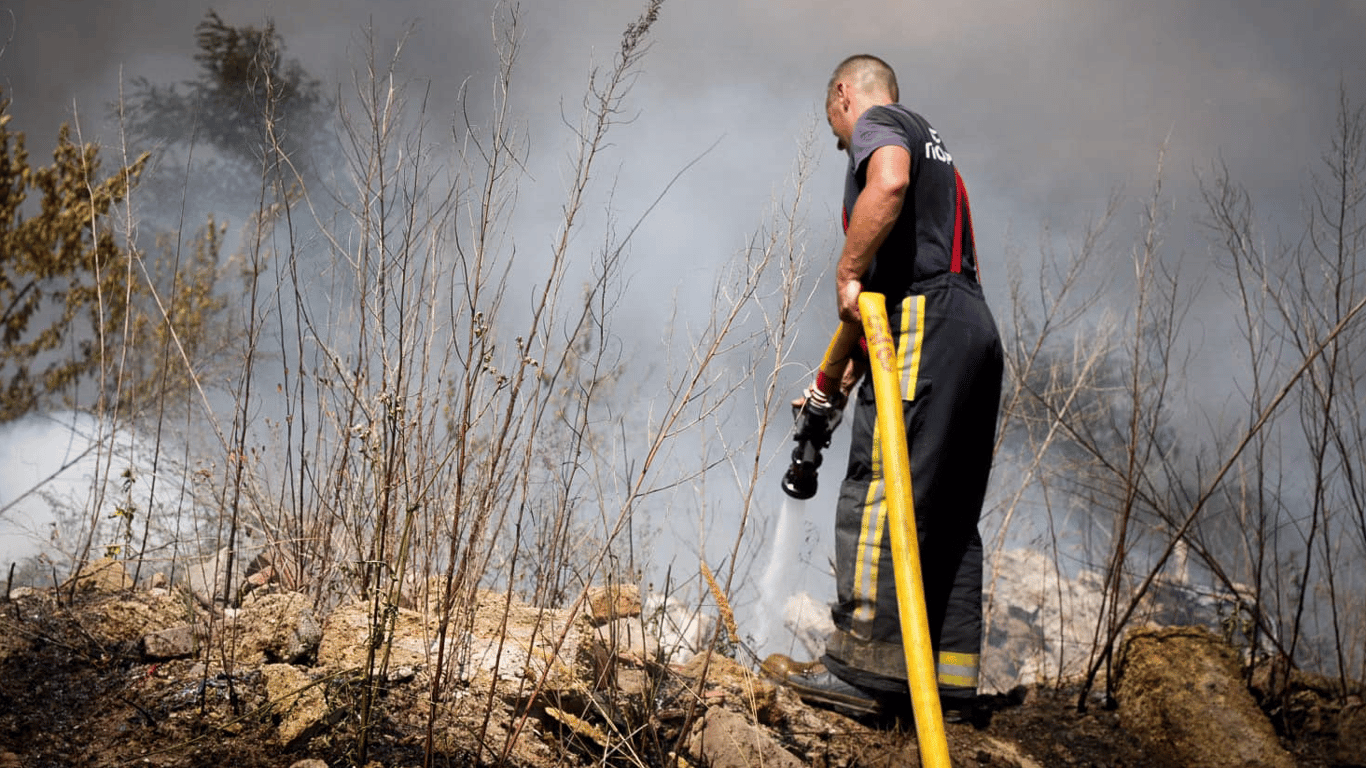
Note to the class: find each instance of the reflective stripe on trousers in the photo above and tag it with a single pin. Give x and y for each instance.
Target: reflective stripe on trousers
(950, 361)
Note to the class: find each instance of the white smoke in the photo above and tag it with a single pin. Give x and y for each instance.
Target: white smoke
(69, 488)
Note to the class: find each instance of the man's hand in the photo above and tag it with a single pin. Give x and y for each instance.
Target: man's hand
(853, 371)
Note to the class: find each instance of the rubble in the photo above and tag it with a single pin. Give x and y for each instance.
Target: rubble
(725, 739)
(618, 601)
(296, 700)
(278, 627)
(104, 575)
(178, 642)
(122, 677)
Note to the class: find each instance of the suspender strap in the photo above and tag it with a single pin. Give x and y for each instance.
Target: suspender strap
(960, 213)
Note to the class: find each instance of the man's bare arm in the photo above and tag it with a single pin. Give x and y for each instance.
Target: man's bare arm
(875, 213)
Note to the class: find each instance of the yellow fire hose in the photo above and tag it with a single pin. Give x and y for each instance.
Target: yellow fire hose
(896, 470)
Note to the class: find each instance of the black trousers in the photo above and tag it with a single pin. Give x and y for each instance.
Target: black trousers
(950, 360)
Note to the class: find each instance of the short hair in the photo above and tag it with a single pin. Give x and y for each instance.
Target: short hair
(867, 72)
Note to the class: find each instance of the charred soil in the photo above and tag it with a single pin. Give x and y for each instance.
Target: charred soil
(72, 694)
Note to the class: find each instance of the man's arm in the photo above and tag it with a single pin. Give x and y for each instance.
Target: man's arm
(875, 213)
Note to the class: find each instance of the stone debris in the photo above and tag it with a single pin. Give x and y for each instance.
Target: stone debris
(124, 619)
(512, 641)
(296, 699)
(720, 679)
(179, 642)
(103, 575)
(207, 579)
(346, 637)
(546, 687)
(277, 627)
(626, 640)
(725, 739)
(618, 601)
(271, 566)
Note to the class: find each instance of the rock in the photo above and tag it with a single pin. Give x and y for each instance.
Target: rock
(207, 579)
(174, 643)
(512, 641)
(633, 682)
(618, 601)
(120, 621)
(725, 739)
(725, 680)
(1181, 695)
(295, 699)
(346, 635)
(258, 579)
(626, 640)
(272, 565)
(277, 628)
(622, 647)
(103, 575)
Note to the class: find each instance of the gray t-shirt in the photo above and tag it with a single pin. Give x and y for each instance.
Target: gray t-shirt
(922, 244)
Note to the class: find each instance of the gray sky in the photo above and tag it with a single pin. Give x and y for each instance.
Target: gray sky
(1046, 106)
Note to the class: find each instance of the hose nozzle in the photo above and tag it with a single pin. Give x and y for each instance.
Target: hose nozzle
(816, 417)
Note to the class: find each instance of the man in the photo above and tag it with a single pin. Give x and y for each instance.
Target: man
(908, 235)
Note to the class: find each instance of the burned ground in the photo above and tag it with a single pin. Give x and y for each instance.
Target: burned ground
(77, 689)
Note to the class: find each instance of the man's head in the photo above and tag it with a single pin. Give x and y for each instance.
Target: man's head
(859, 82)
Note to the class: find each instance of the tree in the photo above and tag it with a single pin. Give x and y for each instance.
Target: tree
(57, 264)
(244, 79)
(1303, 321)
(61, 260)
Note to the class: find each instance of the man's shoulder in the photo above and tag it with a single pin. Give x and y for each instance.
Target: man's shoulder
(894, 113)
(896, 119)
(883, 114)
(883, 125)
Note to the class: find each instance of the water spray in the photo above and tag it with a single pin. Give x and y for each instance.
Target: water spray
(784, 551)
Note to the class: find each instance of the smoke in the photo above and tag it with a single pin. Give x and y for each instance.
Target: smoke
(1047, 107)
(68, 487)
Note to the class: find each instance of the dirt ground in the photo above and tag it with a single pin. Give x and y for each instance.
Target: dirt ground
(70, 698)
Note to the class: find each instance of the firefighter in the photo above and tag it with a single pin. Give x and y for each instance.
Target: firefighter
(908, 235)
